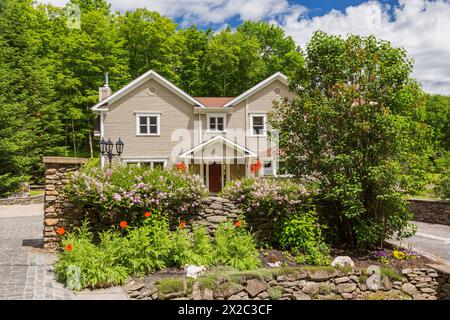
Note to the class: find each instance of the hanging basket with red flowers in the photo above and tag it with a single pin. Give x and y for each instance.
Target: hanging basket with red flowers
(181, 166)
(255, 167)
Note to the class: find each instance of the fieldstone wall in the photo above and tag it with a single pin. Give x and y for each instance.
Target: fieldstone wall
(58, 212)
(211, 213)
(430, 211)
(314, 283)
(21, 200)
(443, 291)
(215, 210)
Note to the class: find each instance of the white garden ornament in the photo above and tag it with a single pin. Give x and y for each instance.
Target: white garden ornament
(194, 271)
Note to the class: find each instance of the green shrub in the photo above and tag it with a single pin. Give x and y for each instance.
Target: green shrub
(235, 246)
(303, 235)
(148, 248)
(99, 266)
(129, 191)
(268, 196)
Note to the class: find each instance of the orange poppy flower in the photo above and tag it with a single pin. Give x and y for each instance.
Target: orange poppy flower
(69, 247)
(182, 224)
(60, 231)
(237, 223)
(148, 214)
(123, 224)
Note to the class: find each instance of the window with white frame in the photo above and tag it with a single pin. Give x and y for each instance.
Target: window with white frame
(147, 124)
(258, 124)
(149, 164)
(267, 168)
(216, 123)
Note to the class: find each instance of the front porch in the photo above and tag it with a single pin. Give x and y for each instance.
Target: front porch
(219, 160)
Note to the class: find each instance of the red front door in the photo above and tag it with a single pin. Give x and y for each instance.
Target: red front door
(215, 177)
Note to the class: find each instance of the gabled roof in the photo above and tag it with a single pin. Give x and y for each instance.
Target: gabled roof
(151, 74)
(214, 102)
(259, 86)
(217, 139)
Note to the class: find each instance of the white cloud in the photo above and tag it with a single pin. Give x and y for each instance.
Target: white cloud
(420, 26)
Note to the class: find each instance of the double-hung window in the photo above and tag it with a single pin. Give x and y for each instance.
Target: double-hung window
(216, 123)
(258, 124)
(268, 168)
(148, 124)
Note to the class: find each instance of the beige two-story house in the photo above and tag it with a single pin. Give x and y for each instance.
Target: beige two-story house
(219, 138)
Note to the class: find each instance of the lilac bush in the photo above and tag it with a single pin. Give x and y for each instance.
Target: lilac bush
(268, 196)
(128, 191)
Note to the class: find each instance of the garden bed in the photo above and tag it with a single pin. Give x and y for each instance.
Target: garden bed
(400, 280)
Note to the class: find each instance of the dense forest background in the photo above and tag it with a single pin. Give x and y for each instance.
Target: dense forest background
(51, 68)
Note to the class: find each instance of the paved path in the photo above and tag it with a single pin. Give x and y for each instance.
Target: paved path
(25, 268)
(432, 240)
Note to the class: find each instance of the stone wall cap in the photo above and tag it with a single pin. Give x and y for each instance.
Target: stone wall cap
(65, 160)
(428, 200)
(440, 268)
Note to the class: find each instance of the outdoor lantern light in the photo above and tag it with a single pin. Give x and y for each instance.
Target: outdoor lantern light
(119, 147)
(103, 146)
(106, 147)
(109, 146)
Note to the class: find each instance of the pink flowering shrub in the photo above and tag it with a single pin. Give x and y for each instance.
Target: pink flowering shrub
(268, 196)
(130, 191)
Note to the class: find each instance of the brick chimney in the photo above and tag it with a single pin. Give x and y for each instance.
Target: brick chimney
(105, 91)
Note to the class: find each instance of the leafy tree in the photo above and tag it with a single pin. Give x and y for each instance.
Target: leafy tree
(278, 51)
(438, 117)
(29, 125)
(92, 5)
(151, 43)
(232, 64)
(194, 46)
(357, 128)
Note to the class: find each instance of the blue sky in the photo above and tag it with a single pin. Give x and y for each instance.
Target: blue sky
(419, 26)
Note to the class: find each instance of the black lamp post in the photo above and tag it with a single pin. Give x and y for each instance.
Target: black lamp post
(106, 147)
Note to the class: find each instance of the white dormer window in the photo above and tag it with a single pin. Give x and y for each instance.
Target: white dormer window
(216, 122)
(258, 124)
(148, 124)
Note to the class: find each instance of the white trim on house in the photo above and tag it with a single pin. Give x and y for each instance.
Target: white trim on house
(216, 115)
(258, 114)
(151, 74)
(256, 88)
(152, 160)
(215, 139)
(147, 115)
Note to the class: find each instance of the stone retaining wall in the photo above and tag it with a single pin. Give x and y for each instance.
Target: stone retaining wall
(22, 200)
(430, 211)
(296, 284)
(58, 212)
(443, 291)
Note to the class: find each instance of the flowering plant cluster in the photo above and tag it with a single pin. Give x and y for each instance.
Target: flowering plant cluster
(268, 196)
(397, 254)
(132, 190)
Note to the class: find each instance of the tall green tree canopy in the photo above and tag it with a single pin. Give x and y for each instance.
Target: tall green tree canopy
(357, 128)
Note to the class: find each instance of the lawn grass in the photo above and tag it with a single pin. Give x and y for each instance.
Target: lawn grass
(36, 193)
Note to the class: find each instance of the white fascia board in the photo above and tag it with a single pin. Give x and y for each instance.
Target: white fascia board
(212, 140)
(140, 80)
(256, 88)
